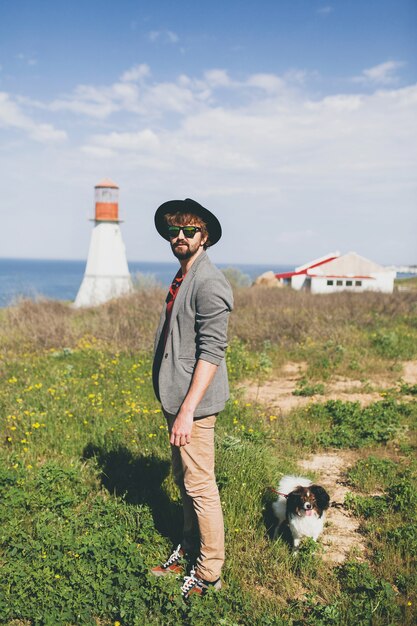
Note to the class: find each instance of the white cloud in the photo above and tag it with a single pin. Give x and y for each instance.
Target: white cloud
(45, 132)
(382, 74)
(135, 93)
(145, 99)
(86, 100)
(136, 73)
(217, 78)
(268, 82)
(98, 152)
(325, 10)
(281, 136)
(320, 172)
(145, 140)
(172, 37)
(11, 116)
(340, 102)
(267, 128)
(163, 36)
(28, 59)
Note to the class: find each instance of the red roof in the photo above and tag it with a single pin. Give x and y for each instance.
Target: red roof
(107, 182)
(347, 276)
(304, 271)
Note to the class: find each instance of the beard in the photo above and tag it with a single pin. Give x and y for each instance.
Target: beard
(183, 250)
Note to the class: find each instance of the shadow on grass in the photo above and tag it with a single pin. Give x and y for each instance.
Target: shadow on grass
(270, 522)
(139, 480)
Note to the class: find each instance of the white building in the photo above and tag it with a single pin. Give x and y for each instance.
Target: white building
(334, 273)
(107, 274)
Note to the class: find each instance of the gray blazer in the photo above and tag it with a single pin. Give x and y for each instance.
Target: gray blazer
(197, 330)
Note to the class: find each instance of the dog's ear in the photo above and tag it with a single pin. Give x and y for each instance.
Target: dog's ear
(294, 499)
(322, 497)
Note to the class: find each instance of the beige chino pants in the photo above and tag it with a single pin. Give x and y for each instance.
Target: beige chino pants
(193, 470)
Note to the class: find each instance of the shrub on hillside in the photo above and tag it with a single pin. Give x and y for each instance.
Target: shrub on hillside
(352, 426)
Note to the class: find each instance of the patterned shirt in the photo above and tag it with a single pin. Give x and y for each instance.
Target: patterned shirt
(172, 294)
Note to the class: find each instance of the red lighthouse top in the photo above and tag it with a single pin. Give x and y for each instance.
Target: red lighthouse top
(107, 201)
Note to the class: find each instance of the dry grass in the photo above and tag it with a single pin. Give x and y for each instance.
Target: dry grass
(283, 318)
(127, 324)
(287, 317)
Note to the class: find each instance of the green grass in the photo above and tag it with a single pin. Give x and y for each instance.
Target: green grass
(88, 503)
(406, 283)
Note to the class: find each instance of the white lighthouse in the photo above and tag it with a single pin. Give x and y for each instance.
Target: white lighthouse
(106, 274)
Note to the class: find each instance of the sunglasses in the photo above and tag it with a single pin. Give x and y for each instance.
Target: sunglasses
(188, 231)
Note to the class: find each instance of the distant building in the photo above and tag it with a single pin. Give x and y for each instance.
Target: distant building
(333, 273)
(106, 274)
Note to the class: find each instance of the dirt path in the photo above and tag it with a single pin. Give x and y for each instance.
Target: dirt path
(410, 372)
(278, 395)
(341, 534)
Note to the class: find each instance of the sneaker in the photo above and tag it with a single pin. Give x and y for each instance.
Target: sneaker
(174, 564)
(194, 584)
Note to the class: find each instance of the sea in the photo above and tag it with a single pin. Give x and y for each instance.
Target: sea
(60, 280)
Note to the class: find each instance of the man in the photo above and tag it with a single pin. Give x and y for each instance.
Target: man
(190, 381)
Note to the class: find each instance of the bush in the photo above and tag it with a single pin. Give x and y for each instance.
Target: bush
(408, 389)
(368, 598)
(404, 538)
(366, 506)
(354, 426)
(403, 496)
(394, 344)
(304, 388)
(372, 473)
(145, 282)
(236, 278)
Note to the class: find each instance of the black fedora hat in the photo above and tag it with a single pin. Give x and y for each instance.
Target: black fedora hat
(188, 206)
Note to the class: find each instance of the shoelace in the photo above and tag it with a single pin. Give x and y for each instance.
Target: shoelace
(175, 556)
(189, 582)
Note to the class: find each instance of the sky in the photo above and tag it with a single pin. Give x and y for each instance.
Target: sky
(294, 121)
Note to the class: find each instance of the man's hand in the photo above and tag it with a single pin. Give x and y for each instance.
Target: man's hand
(181, 429)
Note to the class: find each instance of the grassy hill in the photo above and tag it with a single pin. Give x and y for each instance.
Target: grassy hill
(88, 504)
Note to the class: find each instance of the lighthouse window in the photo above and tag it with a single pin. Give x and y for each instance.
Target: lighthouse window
(339, 283)
(330, 282)
(107, 194)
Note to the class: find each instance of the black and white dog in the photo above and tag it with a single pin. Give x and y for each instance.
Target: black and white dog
(300, 505)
